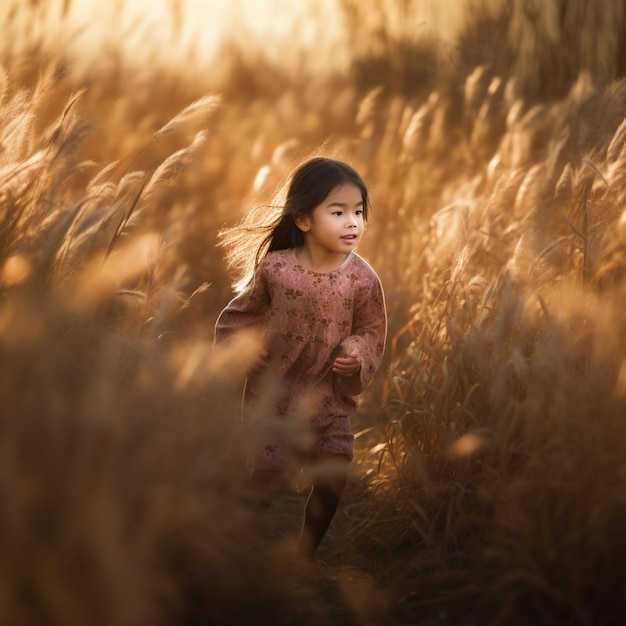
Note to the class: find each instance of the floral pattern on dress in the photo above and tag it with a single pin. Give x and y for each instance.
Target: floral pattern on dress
(308, 319)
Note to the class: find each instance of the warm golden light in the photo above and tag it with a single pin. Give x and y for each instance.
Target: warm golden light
(489, 478)
(16, 270)
(176, 27)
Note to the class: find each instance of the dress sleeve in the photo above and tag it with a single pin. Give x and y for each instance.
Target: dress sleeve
(369, 331)
(246, 310)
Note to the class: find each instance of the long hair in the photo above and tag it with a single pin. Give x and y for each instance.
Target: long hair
(273, 227)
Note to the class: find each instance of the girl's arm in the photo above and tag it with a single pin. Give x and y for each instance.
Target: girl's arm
(366, 344)
(245, 311)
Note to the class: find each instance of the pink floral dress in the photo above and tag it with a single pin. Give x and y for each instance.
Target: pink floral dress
(308, 319)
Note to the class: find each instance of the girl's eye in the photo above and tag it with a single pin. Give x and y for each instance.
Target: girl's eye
(337, 212)
(359, 212)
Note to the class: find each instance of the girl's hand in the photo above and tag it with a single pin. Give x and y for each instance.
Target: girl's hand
(348, 365)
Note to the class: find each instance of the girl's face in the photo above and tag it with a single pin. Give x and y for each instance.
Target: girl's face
(335, 226)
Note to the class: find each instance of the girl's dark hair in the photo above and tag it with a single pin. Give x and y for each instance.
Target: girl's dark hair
(263, 230)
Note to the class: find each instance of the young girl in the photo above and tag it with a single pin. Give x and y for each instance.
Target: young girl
(321, 311)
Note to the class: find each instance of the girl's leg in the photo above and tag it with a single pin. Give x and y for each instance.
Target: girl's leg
(329, 481)
(264, 486)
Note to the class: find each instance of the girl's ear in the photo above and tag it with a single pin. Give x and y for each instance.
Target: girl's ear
(303, 222)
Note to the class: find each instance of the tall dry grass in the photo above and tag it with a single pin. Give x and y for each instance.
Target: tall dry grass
(123, 463)
(545, 45)
(506, 386)
(489, 480)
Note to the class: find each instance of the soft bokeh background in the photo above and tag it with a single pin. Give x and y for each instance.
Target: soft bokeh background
(489, 479)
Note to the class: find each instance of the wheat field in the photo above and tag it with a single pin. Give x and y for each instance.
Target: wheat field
(489, 482)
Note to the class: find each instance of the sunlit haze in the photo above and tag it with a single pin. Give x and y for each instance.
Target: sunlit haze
(175, 28)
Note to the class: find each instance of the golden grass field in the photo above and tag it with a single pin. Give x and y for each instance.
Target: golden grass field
(489, 483)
